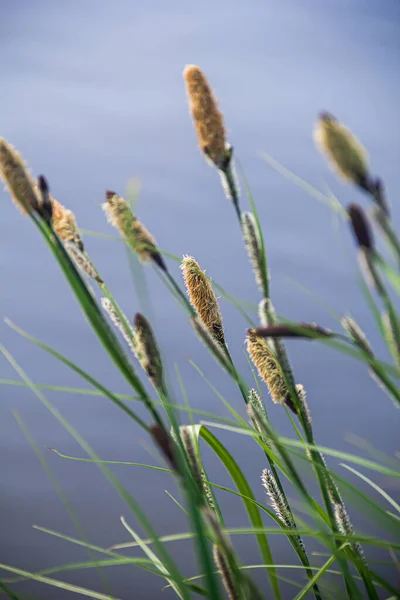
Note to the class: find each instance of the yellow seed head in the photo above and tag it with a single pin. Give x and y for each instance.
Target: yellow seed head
(267, 366)
(208, 120)
(17, 179)
(202, 298)
(342, 149)
(121, 217)
(64, 224)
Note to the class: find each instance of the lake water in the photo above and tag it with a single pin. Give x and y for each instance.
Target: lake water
(92, 95)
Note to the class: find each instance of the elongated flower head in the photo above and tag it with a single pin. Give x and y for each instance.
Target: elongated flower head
(208, 120)
(189, 443)
(82, 262)
(132, 230)
(202, 298)
(226, 574)
(253, 245)
(267, 366)
(120, 321)
(356, 334)
(360, 226)
(147, 352)
(344, 152)
(17, 179)
(64, 224)
(278, 500)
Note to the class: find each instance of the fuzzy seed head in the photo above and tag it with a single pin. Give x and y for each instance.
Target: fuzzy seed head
(252, 241)
(255, 400)
(16, 177)
(189, 444)
(226, 575)
(147, 352)
(278, 500)
(342, 149)
(207, 491)
(356, 334)
(120, 216)
(345, 527)
(202, 298)
(64, 224)
(207, 119)
(267, 366)
(125, 328)
(82, 261)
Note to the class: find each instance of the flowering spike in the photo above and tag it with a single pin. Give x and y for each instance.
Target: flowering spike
(202, 298)
(147, 352)
(132, 230)
(17, 179)
(345, 153)
(207, 119)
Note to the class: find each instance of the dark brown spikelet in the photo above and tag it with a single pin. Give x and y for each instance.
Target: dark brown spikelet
(208, 120)
(226, 574)
(46, 207)
(17, 179)
(147, 352)
(360, 226)
(165, 444)
(300, 330)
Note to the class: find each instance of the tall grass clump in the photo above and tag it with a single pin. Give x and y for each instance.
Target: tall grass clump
(316, 519)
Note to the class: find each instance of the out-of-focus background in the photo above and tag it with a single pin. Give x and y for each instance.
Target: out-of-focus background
(92, 95)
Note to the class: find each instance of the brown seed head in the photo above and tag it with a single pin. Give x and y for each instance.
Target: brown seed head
(17, 179)
(226, 574)
(267, 366)
(64, 224)
(207, 119)
(147, 352)
(202, 298)
(139, 239)
(345, 153)
(360, 226)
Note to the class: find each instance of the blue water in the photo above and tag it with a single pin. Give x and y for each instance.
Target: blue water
(92, 95)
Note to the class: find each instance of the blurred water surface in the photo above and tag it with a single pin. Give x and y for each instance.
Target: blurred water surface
(92, 96)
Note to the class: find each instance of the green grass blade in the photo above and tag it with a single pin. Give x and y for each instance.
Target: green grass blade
(76, 589)
(87, 392)
(317, 576)
(104, 391)
(373, 485)
(152, 557)
(110, 462)
(244, 488)
(125, 495)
